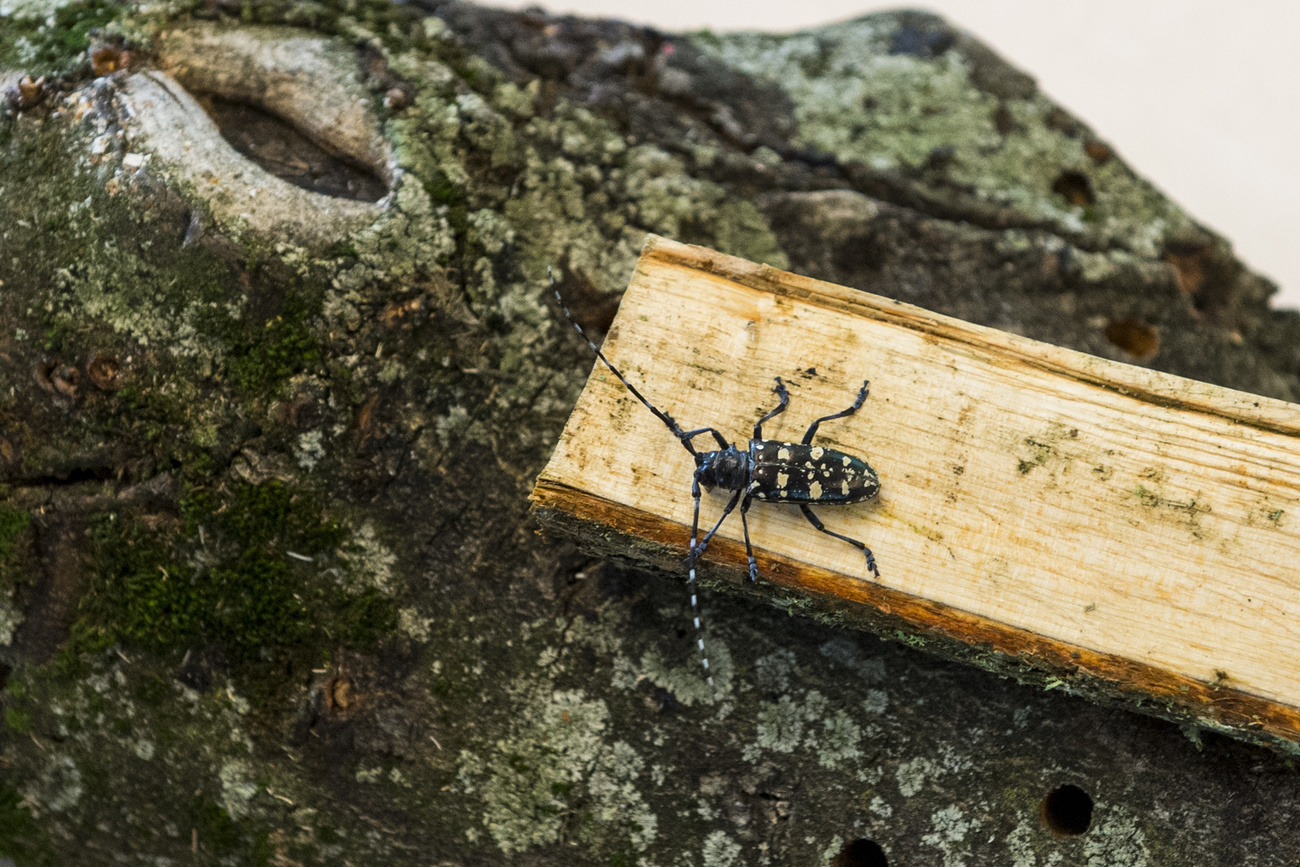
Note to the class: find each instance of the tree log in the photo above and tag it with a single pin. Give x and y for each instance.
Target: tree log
(279, 367)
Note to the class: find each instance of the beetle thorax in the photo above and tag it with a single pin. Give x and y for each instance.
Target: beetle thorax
(727, 469)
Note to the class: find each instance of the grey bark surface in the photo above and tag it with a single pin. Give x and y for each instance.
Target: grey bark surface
(271, 590)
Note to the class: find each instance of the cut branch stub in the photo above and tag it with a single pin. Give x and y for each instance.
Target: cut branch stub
(312, 168)
(1133, 533)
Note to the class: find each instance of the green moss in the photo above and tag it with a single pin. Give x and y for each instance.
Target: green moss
(285, 346)
(13, 570)
(153, 691)
(248, 573)
(22, 838)
(395, 26)
(13, 523)
(706, 37)
(341, 250)
(53, 45)
(217, 831)
(17, 720)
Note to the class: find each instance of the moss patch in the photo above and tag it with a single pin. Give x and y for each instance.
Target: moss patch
(50, 44)
(259, 574)
(266, 354)
(22, 839)
(13, 527)
(13, 523)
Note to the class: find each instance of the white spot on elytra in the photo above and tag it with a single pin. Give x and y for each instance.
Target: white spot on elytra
(846, 460)
(783, 454)
(844, 488)
(817, 453)
(816, 490)
(782, 479)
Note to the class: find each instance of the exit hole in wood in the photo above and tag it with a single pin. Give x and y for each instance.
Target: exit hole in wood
(861, 853)
(1067, 811)
(1136, 338)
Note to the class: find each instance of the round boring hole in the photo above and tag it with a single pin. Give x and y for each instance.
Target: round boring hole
(1067, 810)
(1074, 187)
(1136, 338)
(861, 853)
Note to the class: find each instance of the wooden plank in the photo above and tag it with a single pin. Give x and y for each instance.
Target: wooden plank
(1127, 531)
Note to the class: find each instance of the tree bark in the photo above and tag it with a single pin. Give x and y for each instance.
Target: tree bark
(271, 591)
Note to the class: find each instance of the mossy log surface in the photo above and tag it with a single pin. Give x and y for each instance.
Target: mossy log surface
(269, 589)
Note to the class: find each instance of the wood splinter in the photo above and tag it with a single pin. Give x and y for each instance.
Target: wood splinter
(1131, 533)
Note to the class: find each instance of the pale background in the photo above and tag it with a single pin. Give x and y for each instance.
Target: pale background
(1203, 98)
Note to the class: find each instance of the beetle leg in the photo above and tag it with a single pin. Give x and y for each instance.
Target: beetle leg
(687, 436)
(691, 558)
(695, 520)
(697, 551)
(785, 400)
(690, 562)
(857, 404)
(816, 522)
(749, 549)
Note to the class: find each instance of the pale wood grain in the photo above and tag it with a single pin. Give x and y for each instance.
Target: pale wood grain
(1113, 511)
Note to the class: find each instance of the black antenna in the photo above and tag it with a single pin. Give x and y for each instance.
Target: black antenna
(684, 436)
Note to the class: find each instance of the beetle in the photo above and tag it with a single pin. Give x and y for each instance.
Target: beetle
(773, 471)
